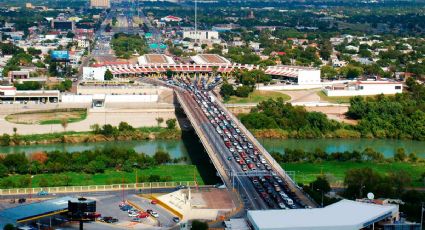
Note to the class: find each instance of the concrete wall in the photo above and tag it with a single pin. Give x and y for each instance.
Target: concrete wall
(368, 89)
(128, 90)
(308, 77)
(110, 98)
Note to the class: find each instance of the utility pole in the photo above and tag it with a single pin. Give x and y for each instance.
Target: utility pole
(422, 214)
(196, 20)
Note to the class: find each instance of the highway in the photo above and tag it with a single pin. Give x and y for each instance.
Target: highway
(252, 171)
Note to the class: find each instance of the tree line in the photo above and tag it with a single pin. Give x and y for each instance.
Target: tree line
(367, 155)
(401, 116)
(88, 161)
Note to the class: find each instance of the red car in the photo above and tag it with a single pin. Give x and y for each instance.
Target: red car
(250, 165)
(154, 202)
(143, 215)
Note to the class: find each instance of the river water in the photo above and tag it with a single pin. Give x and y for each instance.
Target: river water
(179, 148)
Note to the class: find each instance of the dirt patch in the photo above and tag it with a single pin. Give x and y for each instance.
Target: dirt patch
(334, 112)
(46, 117)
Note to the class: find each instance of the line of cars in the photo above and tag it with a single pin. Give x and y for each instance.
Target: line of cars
(135, 214)
(273, 189)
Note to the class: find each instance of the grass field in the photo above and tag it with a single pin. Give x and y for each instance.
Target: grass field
(48, 117)
(338, 100)
(307, 172)
(174, 172)
(257, 96)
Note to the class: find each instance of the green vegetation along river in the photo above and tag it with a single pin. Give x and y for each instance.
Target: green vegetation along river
(385, 146)
(177, 148)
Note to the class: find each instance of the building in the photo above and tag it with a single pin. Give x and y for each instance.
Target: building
(210, 59)
(202, 35)
(343, 215)
(363, 88)
(9, 94)
(171, 18)
(100, 4)
(155, 59)
(299, 75)
(63, 25)
(94, 73)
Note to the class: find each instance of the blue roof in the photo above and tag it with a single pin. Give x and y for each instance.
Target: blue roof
(23, 212)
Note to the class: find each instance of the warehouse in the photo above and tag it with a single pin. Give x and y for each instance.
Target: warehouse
(343, 215)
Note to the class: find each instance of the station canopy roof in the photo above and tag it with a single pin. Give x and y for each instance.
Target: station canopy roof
(343, 215)
(34, 210)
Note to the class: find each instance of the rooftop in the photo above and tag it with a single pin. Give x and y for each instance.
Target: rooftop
(28, 211)
(343, 215)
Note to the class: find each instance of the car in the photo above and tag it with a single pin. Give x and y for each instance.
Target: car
(43, 193)
(229, 158)
(143, 215)
(138, 220)
(282, 206)
(154, 214)
(176, 219)
(154, 202)
(133, 214)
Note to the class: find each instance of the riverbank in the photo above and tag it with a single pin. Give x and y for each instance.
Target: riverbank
(144, 133)
(284, 134)
(153, 174)
(335, 171)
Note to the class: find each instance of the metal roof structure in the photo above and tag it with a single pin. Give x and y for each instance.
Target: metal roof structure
(36, 210)
(343, 215)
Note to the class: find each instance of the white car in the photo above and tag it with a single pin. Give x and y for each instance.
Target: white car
(133, 214)
(154, 214)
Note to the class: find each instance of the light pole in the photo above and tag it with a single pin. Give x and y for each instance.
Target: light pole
(422, 214)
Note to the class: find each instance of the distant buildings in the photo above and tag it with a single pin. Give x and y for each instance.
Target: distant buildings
(171, 18)
(201, 35)
(63, 24)
(100, 4)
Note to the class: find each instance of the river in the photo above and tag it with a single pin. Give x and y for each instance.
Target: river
(180, 148)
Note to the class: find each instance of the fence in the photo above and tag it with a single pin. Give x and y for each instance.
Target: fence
(95, 188)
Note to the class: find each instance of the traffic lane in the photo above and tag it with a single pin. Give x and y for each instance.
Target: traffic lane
(247, 185)
(223, 151)
(165, 219)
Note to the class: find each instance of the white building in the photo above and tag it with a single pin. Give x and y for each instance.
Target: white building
(363, 88)
(94, 73)
(201, 35)
(343, 215)
(299, 74)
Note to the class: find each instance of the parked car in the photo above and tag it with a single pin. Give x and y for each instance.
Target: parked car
(176, 219)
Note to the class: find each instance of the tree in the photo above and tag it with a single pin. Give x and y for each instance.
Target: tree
(40, 157)
(159, 120)
(161, 157)
(400, 155)
(64, 123)
(9, 227)
(243, 91)
(328, 72)
(108, 75)
(169, 73)
(5, 140)
(199, 225)
(124, 126)
(171, 123)
(360, 181)
(3, 171)
(226, 90)
(321, 184)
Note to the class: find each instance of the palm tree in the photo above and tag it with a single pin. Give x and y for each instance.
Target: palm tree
(159, 120)
(64, 123)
